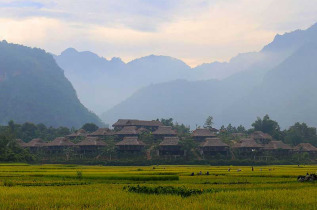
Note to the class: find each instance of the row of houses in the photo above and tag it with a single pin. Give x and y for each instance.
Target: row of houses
(127, 134)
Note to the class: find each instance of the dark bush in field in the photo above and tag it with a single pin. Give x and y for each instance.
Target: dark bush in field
(182, 191)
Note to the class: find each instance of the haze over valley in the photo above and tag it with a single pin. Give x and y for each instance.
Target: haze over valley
(235, 92)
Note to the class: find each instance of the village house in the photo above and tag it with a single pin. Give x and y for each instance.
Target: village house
(102, 133)
(20, 142)
(79, 134)
(150, 125)
(306, 147)
(130, 144)
(91, 145)
(171, 146)
(201, 134)
(278, 148)
(59, 144)
(213, 146)
(164, 131)
(35, 145)
(260, 137)
(245, 146)
(127, 131)
(214, 130)
(143, 130)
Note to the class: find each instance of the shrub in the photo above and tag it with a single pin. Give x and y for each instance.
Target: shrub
(79, 175)
(8, 183)
(182, 191)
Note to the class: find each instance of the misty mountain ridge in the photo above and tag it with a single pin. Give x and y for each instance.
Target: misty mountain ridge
(34, 89)
(113, 81)
(276, 84)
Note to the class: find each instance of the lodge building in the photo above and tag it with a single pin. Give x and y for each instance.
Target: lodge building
(171, 146)
(167, 142)
(214, 146)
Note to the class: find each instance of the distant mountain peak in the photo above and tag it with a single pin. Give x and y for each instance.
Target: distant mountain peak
(116, 60)
(69, 51)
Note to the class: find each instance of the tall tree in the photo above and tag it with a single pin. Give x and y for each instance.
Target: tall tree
(167, 122)
(90, 127)
(299, 133)
(266, 125)
(209, 122)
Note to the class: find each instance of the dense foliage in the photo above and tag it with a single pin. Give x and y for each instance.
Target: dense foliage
(28, 131)
(180, 128)
(10, 151)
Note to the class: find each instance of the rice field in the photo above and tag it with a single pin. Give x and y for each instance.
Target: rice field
(25, 186)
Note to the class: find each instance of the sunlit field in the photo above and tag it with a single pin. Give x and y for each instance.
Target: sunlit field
(75, 187)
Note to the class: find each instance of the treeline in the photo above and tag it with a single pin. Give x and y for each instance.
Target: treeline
(11, 151)
(294, 135)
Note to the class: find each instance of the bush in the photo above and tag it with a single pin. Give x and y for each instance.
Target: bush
(182, 191)
(79, 175)
(8, 183)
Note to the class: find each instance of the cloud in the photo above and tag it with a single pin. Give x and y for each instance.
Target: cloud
(21, 4)
(195, 31)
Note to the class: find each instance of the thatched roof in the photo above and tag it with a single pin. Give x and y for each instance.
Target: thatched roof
(203, 132)
(142, 130)
(79, 133)
(60, 141)
(130, 122)
(128, 130)
(214, 130)
(170, 141)
(306, 147)
(102, 132)
(164, 130)
(35, 143)
(247, 143)
(274, 145)
(92, 141)
(260, 135)
(213, 142)
(20, 142)
(130, 141)
(236, 135)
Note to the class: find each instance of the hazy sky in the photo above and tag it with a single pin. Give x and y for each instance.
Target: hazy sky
(195, 31)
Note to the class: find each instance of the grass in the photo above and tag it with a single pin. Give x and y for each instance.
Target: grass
(163, 187)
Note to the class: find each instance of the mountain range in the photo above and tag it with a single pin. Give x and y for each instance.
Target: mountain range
(101, 84)
(279, 81)
(33, 88)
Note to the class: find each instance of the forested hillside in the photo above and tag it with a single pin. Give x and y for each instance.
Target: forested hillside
(33, 88)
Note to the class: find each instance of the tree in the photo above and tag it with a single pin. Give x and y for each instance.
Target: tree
(187, 144)
(241, 129)
(181, 129)
(90, 127)
(209, 122)
(300, 133)
(167, 122)
(266, 125)
(10, 150)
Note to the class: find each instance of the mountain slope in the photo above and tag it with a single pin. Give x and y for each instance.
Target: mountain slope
(277, 85)
(33, 88)
(288, 92)
(112, 81)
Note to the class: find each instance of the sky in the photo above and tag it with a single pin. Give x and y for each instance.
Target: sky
(195, 31)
